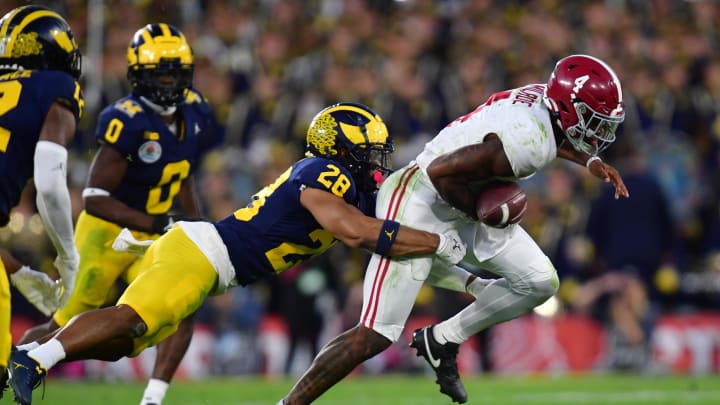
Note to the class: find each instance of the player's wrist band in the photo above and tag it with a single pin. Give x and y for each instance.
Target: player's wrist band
(95, 192)
(387, 236)
(592, 159)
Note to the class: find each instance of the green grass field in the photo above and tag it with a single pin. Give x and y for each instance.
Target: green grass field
(404, 390)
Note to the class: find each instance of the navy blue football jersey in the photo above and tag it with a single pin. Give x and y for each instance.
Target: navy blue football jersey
(158, 159)
(25, 99)
(275, 232)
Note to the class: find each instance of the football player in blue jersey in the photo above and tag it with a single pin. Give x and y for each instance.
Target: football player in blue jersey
(320, 200)
(150, 143)
(40, 105)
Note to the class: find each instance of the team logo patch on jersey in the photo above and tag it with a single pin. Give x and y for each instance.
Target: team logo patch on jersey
(129, 107)
(150, 151)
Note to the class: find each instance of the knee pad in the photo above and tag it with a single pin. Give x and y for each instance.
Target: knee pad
(539, 282)
(545, 287)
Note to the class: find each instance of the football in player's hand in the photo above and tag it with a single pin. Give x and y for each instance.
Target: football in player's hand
(501, 203)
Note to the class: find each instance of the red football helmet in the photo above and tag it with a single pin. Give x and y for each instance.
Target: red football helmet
(585, 98)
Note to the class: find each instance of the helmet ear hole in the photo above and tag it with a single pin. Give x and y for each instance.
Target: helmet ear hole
(563, 107)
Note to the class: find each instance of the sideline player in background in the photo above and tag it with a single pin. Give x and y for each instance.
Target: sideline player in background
(513, 135)
(40, 105)
(151, 142)
(320, 200)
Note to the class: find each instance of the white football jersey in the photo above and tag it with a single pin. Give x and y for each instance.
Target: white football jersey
(519, 118)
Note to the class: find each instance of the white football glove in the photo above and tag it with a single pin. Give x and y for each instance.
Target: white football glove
(451, 248)
(126, 242)
(38, 288)
(68, 268)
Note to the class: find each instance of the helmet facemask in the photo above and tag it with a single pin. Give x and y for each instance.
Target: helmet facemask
(164, 83)
(594, 132)
(369, 164)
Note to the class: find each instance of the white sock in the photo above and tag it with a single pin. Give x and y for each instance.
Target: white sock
(28, 346)
(48, 354)
(438, 336)
(154, 392)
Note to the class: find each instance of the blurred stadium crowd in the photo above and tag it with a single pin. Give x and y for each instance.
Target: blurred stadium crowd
(268, 65)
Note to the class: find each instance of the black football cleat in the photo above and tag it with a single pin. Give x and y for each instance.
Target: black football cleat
(25, 375)
(443, 360)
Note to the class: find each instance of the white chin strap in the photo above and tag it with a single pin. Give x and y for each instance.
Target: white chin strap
(170, 110)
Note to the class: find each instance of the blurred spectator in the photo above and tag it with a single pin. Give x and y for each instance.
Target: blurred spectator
(633, 240)
(304, 296)
(234, 318)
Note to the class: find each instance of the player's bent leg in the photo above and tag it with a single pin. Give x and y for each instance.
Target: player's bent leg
(99, 269)
(170, 353)
(456, 278)
(528, 279)
(335, 361)
(182, 291)
(38, 331)
(172, 350)
(86, 336)
(103, 334)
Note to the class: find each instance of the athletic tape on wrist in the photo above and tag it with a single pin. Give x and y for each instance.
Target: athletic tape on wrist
(592, 159)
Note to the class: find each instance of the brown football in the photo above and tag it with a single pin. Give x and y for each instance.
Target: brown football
(501, 203)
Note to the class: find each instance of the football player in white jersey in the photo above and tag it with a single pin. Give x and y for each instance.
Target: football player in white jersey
(511, 136)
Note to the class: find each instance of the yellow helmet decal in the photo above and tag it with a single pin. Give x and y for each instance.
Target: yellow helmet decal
(63, 40)
(375, 127)
(165, 45)
(322, 134)
(23, 44)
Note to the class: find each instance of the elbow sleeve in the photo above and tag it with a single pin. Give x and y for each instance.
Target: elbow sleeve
(53, 197)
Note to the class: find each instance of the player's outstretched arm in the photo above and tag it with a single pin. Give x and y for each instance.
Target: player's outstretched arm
(355, 229)
(53, 197)
(596, 167)
(609, 174)
(50, 178)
